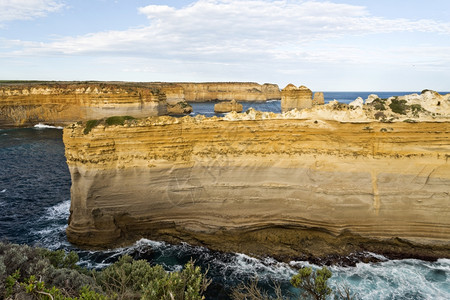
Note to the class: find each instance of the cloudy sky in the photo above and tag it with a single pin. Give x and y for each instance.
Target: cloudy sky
(382, 45)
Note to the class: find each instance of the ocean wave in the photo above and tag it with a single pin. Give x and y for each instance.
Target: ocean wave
(58, 211)
(45, 126)
(395, 279)
(3, 191)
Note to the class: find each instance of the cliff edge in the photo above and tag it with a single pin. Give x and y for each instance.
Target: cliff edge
(293, 185)
(65, 103)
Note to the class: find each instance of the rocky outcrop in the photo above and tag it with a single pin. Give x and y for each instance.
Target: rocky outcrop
(225, 107)
(318, 99)
(179, 108)
(289, 185)
(59, 103)
(298, 98)
(226, 91)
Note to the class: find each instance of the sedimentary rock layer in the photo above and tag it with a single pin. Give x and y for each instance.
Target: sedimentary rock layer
(239, 91)
(66, 103)
(284, 187)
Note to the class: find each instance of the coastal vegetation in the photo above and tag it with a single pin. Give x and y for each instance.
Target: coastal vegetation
(111, 121)
(36, 273)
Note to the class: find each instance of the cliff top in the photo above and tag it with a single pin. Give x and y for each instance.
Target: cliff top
(426, 107)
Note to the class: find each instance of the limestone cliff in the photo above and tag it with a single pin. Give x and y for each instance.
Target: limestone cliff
(59, 103)
(285, 185)
(239, 91)
(297, 98)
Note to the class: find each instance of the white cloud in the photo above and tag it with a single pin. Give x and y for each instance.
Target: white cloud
(27, 9)
(250, 37)
(229, 29)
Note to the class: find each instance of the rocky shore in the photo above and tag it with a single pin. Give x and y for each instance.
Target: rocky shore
(328, 180)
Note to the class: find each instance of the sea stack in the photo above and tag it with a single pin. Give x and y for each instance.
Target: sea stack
(293, 97)
(225, 107)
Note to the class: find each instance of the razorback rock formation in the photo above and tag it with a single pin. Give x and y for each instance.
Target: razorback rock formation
(221, 91)
(290, 185)
(60, 103)
(224, 107)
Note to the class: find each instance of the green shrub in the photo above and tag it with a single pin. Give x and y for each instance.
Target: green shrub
(399, 106)
(416, 109)
(61, 259)
(118, 120)
(127, 276)
(188, 284)
(89, 125)
(251, 291)
(34, 273)
(27, 261)
(378, 104)
(314, 284)
(409, 121)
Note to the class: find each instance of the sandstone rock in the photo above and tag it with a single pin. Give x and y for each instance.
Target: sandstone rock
(318, 98)
(180, 108)
(174, 93)
(224, 107)
(370, 98)
(221, 91)
(358, 102)
(293, 97)
(64, 103)
(263, 183)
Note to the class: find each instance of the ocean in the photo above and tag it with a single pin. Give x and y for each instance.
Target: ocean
(34, 209)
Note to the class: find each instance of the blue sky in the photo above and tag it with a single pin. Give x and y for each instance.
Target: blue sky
(326, 45)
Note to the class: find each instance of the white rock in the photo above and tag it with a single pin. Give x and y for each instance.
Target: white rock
(358, 102)
(371, 98)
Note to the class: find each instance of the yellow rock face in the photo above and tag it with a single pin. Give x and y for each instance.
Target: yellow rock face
(224, 107)
(284, 187)
(66, 103)
(296, 98)
(245, 91)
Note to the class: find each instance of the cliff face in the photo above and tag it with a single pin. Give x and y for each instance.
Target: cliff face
(263, 185)
(211, 91)
(67, 103)
(298, 98)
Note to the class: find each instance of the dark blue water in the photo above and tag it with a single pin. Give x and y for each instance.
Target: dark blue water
(34, 207)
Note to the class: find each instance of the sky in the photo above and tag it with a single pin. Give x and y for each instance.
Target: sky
(334, 45)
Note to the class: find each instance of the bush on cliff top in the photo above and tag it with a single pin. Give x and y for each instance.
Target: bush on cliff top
(89, 125)
(118, 120)
(111, 121)
(399, 106)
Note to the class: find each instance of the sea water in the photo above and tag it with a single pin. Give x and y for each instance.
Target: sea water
(34, 209)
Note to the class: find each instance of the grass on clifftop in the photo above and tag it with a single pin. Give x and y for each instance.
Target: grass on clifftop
(118, 120)
(111, 121)
(89, 125)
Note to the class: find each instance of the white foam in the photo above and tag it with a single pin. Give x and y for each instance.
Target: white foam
(409, 278)
(45, 126)
(58, 211)
(275, 100)
(3, 191)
